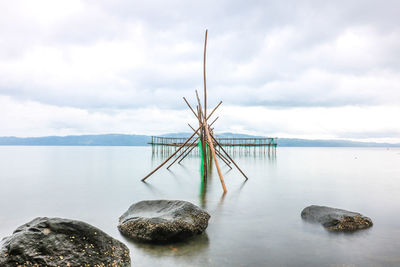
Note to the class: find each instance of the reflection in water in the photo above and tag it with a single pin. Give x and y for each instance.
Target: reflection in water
(221, 200)
(203, 191)
(255, 224)
(237, 191)
(204, 183)
(152, 188)
(186, 249)
(272, 156)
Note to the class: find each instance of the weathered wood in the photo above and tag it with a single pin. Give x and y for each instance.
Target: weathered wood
(205, 135)
(226, 142)
(215, 159)
(205, 130)
(183, 152)
(209, 125)
(219, 153)
(204, 75)
(214, 121)
(201, 117)
(203, 141)
(214, 110)
(223, 158)
(186, 154)
(190, 107)
(229, 157)
(173, 154)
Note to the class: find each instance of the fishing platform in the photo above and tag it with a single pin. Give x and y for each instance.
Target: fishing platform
(210, 147)
(263, 145)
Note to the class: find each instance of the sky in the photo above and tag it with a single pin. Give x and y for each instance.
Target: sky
(294, 69)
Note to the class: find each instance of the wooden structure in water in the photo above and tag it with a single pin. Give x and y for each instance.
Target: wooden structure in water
(210, 148)
(224, 141)
(246, 145)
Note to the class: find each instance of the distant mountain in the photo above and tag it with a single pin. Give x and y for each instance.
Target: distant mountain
(79, 140)
(177, 134)
(235, 135)
(330, 143)
(142, 140)
(225, 135)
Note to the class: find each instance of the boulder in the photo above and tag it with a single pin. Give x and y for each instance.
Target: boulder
(163, 220)
(61, 242)
(336, 219)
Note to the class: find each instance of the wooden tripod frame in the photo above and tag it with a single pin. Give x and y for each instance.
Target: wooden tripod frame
(205, 136)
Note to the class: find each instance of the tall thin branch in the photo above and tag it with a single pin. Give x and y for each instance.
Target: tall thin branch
(204, 75)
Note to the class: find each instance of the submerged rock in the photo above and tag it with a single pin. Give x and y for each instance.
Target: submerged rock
(336, 219)
(163, 220)
(61, 242)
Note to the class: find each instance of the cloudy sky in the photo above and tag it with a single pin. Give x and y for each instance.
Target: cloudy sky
(306, 69)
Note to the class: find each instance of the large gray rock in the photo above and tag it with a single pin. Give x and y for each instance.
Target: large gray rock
(163, 220)
(336, 219)
(61, 242)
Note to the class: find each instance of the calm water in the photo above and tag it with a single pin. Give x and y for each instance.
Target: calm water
(256, 223)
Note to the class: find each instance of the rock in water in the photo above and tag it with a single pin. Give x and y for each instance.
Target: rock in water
(336, 219)
(61, 242)
(163, 220)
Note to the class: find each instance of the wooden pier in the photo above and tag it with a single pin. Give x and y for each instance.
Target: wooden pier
(253, 141)
(248, 145)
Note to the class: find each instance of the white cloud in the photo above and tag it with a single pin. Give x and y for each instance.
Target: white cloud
(347, 122)
(83, 66)
(376, 123)
(29, 118)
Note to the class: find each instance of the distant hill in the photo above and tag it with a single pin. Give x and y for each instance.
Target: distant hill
(142, 140)
(79, 140)
(330, 143)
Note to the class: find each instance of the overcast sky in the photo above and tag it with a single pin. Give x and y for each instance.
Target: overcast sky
(306, 69)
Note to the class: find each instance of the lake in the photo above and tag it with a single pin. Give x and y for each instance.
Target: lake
(257, 223)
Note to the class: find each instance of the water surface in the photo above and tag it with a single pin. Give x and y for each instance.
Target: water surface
(256, 223)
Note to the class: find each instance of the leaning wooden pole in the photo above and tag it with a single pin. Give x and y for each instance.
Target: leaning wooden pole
(173, 154)
(190, 107)
(222, 158)
(220, 102)
(229, 157)
(204, 75)
(189, 146)
(215, 158)
(197, 138)
(190, 150)
(204, 121)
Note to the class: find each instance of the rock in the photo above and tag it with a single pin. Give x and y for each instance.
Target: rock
(336, 219)
(163, 220)
(61, 242)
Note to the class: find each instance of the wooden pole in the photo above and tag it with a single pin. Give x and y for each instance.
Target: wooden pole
(229, 157)
(220, 154)
(202, 120)
(198, 135)
(183, 152)
(173, 154)
(214, 121)
(222, 158)
(205, 130)
(187, 153)
(214, 109)
(208, 126)
(204, 75)
(198, 101)
(215, 158)
(190, 107)
(203, 143)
